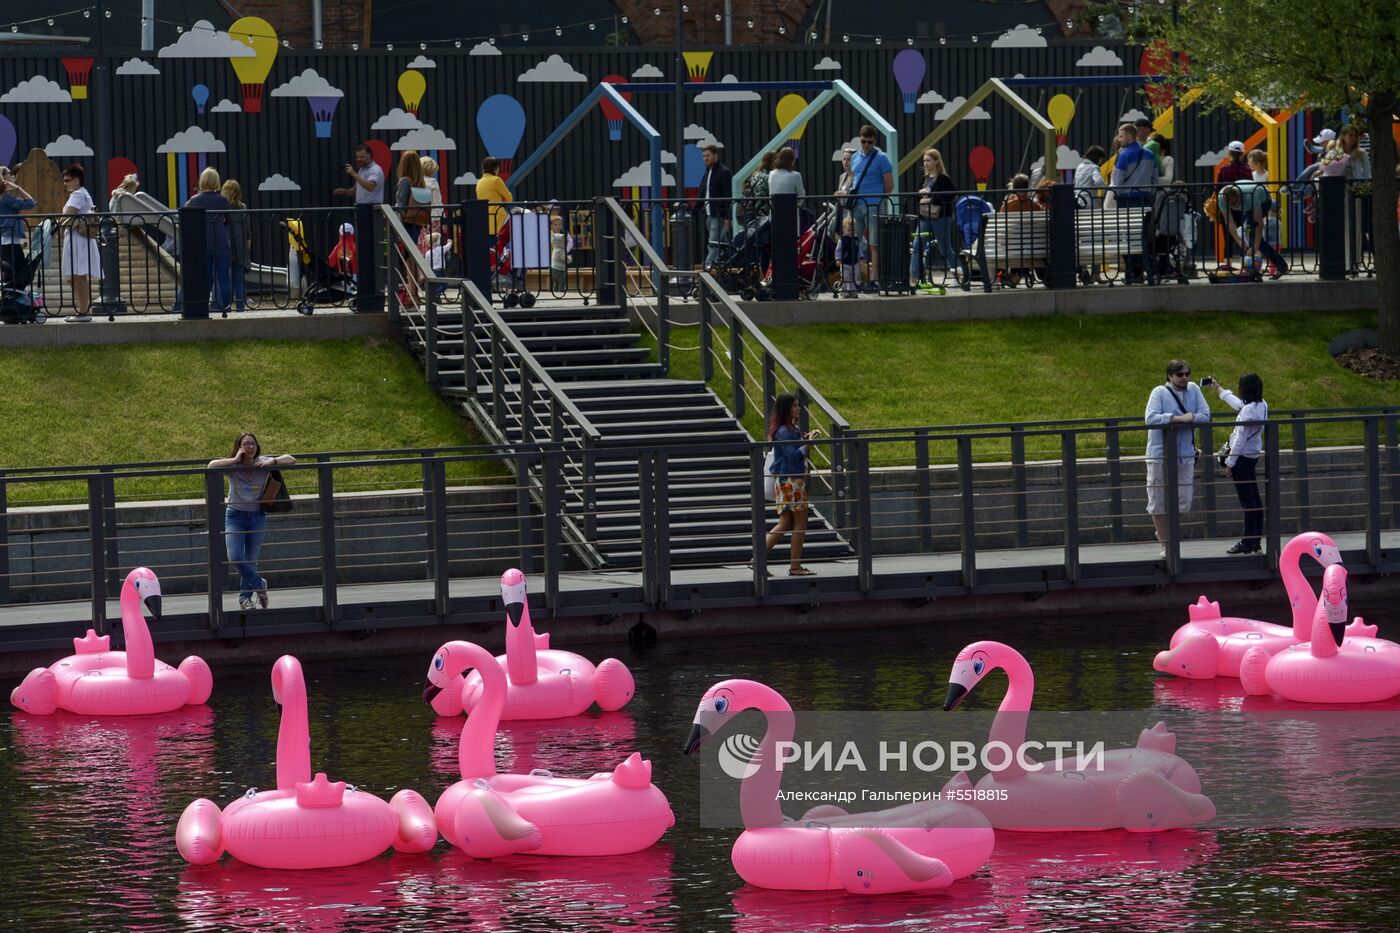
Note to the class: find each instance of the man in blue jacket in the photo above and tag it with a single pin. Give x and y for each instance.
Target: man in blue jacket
(1171, 409)
(715, 189)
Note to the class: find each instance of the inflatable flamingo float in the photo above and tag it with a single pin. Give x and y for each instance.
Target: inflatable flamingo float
(1339, 663)
(488, 815)
(1211, 645)
(305, 822)
(99, 682)
(542, 683)
(1142, 789)
(915, 847)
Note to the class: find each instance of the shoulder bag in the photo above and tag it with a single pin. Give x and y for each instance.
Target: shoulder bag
(275, 497)
(850, 204)
(770, 482)
(419, 208)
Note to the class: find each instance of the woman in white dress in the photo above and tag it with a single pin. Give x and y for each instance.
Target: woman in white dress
(80, 262)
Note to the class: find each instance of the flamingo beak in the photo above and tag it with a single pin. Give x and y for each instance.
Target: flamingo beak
(430, 692)
(956, 692)
(153, 604)
(698, 734)
(515, 612)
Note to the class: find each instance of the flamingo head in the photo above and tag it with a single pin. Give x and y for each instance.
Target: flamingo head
(1323, 549)
(1332, 602)
(721, 703)
(972, 664)
(147, 586)
(513, 595)
(287, 678)
(449, 662)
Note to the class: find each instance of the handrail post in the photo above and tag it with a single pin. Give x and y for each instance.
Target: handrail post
(469, 342)
(1115, 481)
(865, 535)
(620, 256)
(1332, 196)
(98, 533)
(1171, 464)
(646, 492)
(1373, 492)
(1069, 459)
(587, 468)
(476, 244)
(707, 337)
(325, 501)
(392, 276)
(783, 230)
(758, 521)
(770, 385)
(1392, 445)
(527, 407)
(736, 369)
(194, 269)
(969, 513)
(522, 511)
(4, 541)
(1300, 471)
(1208, 452)
(109, 529)
(498, 381)
(553, 527)
(1273, 492)
(663, 529)
(839, 481)
(214, 546)
(1018, 485)
(924, 490)
(604, 248)
(1062, 241)
(367, 297)
(430, 347)
(663, 326)
(440, 552)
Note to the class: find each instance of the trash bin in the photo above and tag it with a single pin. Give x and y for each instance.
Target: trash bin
(895, 233)
(682, 254)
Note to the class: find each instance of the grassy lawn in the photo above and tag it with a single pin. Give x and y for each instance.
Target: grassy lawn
(1046, 368)
(125, 404)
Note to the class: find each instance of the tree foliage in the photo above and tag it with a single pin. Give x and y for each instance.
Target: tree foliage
(1329, 56)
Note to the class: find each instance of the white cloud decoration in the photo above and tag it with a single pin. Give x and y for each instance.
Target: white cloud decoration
(66, 147)
(1020, 36)
(1212, 159)
(1065, 160)
(278, 182)
(193, 139)
(421, 62)
(307, 84)
(648, 71)
(396, 119)
(947, 110)
(225, 106)
(553, 70)
(827, 64)
(1132, 116)
(1099, 57)
(36, 90)
(484, 48)
(204, 41)
(135, 67)
(639, 176)
(723, 96)
(424, 137)
(931, 97)
(466, 178)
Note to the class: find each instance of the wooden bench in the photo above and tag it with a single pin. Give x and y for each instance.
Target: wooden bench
(1016, 239)
(1103, 236)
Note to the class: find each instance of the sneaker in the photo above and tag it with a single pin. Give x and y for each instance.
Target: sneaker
(79, 319)
(245, 603)
(1161, 552)
(261, 594)
(1242, 548)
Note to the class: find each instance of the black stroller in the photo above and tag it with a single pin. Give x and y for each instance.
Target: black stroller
(322, 283)
(1172, 214)
(19, 302)
(742, 262)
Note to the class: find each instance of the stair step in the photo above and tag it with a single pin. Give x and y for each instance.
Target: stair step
(528, 329)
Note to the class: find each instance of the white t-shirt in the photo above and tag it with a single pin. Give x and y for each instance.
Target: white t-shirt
(82, 202)
(374, 173)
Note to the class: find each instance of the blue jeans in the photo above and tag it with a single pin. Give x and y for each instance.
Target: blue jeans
(240, 293)
(219, 278)
(714, 228)
(243, 538)
(921, 257)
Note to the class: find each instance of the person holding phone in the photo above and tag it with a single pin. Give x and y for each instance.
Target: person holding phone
(1245, 447)
(245, 523)
(368, 178)
(14, 232)
(790, 471)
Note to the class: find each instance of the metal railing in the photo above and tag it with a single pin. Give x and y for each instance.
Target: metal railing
(924, 508)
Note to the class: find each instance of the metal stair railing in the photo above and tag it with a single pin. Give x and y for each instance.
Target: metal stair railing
(512, 365)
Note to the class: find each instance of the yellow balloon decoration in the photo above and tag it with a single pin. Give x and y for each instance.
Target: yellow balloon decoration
(697, 65)
(258, 35)
(412, 84)
(1061, 113)
(787, 110)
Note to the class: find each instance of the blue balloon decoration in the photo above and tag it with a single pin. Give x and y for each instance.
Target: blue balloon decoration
(200, 93)
(694, 166)
(501, 122)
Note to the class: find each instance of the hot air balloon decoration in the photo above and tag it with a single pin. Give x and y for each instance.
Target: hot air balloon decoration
(78, 71)
(981, 160)
(258, 35)
(412, 84)
(1156, 60)
(787, 110)
(1061, 112)
(323, 112)
(8, 139)
(500, 121)
(611, 111)
(697, 65)
(694, 170)
(200, 93)
(909, 69)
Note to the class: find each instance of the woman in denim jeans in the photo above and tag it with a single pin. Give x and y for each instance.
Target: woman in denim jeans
(935, 220)
(245, 523)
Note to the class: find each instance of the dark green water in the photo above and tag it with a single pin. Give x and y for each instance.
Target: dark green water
(87, 823)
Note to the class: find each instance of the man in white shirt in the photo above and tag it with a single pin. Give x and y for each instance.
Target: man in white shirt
(368, 176)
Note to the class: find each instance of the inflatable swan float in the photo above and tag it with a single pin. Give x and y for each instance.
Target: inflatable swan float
(915, 847)
(100, 682)
(488, 815)
(1211, 645)
(1338, 664)
(1142, 789)
(305, 822)
(542, 683)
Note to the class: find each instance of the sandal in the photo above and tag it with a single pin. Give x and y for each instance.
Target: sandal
(801, 572)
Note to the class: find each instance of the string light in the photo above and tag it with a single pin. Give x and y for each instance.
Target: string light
(422, 46)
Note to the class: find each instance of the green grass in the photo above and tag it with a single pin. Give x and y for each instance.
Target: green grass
(1052, 368)
(127, 404)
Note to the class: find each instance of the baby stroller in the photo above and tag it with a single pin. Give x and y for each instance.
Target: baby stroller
(969, 218)
(1171, 252)
(816, 254)
(321, 283)
(740, 265)
(19, 303)
(505, 276)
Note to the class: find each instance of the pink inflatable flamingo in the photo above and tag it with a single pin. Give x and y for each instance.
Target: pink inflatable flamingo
(1142, 789)
(305, 822)
(915, 847)
(1211, 645)
(488, 815)
(1340, 664)
(542, 683)
(99, 682)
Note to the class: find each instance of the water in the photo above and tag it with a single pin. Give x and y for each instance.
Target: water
(87, 825)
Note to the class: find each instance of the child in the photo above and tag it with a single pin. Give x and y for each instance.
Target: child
(849, 255)
(1334, 160)
(344, 258)
(438, 251)
(561, 246)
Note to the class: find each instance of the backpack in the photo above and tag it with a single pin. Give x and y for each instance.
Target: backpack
(419, 210)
